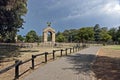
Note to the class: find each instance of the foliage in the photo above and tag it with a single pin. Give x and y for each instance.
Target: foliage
(60, 37)
(11, 12)
(20, 38)
(97, 32)
(105, 36)
(118, 34)
(113, 33)
(66, 33)
(32, 37)
(86, 34)
(71, 35)
(39, 38)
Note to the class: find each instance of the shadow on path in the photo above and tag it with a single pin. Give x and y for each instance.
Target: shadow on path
(81, 63)
(104, 68)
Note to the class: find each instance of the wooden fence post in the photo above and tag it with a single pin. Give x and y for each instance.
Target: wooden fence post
(46, 53)
(76, 48)
(17, 69)
(66, 51)
(61, 52)
(33, 64)
(79, 48)
(53, 54)
(73, 49)
(70, 50)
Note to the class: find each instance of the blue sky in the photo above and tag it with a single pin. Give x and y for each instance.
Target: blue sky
(70, 14)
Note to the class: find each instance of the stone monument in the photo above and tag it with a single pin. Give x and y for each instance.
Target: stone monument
(47, 30)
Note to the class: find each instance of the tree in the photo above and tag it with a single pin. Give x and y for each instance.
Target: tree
(113, 33)
(40, 38)
(118, 34)
(105, 36)
(58, 33)
(71, 35)
(20, 38)
(60, 37)
(97, 32)
(76, 38)
(66, 33)
(86, 34)
(11, 12)
(32, 36)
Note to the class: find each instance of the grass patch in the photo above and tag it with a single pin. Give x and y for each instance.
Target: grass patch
(114, 47)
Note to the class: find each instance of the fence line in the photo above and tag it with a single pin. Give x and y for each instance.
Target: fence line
(19, 62)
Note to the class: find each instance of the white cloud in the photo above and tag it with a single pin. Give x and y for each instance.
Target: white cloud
(110, 8)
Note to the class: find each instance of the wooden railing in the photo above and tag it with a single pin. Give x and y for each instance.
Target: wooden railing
(18, 63)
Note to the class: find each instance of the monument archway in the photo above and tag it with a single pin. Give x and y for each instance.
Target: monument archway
(49, 33)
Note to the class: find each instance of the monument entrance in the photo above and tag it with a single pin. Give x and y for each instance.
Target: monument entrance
(49, 34)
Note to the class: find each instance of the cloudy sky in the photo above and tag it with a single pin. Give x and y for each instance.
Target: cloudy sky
(70, 14)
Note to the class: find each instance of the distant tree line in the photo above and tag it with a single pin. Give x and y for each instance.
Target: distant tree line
(85, 34)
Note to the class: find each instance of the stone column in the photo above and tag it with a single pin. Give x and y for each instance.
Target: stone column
(44, 36)
(53, 36)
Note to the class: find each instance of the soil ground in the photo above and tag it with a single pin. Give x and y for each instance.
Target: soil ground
(107, 64)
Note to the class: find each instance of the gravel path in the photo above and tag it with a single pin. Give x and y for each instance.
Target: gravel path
(73, 67)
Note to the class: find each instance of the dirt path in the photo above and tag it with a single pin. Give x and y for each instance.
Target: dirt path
(73, 67)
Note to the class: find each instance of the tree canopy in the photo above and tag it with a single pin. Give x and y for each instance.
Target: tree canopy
(86, 34)
(104, 36)
(96, 33)
(11, 12)
(60, 37)
(32, 37)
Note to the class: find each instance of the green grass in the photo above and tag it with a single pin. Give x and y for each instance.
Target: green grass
(115, 47)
